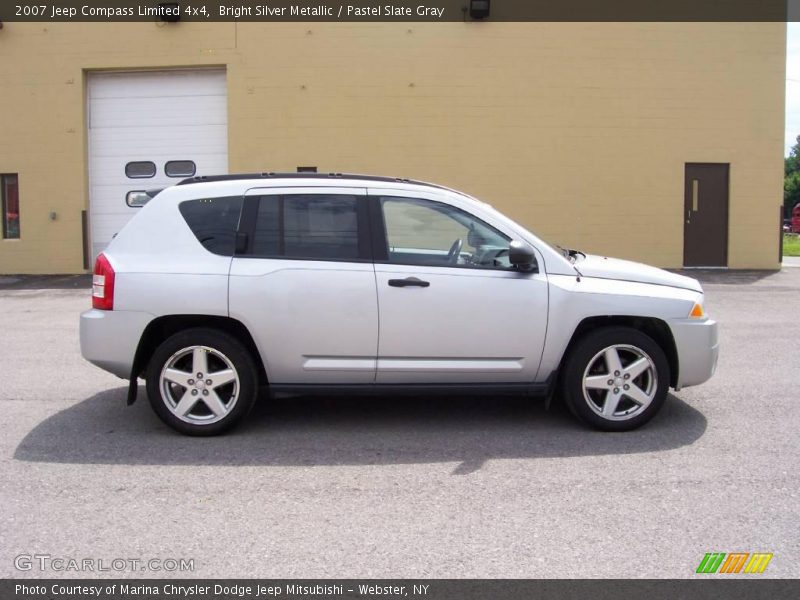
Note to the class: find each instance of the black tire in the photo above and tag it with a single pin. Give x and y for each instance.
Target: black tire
(629, 345)
(222, 353)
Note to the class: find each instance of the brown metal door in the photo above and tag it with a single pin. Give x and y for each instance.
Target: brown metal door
(705, 215)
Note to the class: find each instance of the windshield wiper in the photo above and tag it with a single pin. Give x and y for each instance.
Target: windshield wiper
(574, 254)
(570, 254)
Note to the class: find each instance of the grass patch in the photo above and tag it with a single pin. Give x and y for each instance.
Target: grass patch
(791, 245)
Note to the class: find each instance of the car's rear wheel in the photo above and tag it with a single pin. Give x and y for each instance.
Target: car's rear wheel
(201, 381)
(616, 379)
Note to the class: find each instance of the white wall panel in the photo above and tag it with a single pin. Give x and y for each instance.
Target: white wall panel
(150, 115)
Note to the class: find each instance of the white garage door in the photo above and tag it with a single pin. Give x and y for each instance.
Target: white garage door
(146, 117)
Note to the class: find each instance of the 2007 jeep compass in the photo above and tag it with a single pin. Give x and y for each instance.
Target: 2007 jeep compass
(222, 285)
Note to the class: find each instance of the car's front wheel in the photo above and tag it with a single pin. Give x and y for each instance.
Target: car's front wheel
(201, 381)
(616, 378)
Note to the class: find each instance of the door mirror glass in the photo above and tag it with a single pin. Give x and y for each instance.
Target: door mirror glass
(522, 257)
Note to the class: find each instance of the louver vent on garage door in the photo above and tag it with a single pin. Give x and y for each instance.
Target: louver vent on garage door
(175, 120)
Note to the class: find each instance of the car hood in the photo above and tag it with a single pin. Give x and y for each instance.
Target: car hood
(626, 270)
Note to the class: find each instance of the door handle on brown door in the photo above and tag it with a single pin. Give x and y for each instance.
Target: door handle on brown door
(688, 216)
(408, 282)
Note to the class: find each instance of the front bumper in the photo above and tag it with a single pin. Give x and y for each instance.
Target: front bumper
(697, 343)
(109, 338)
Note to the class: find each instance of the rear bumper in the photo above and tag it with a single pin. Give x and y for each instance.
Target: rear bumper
(697, 344)
(109, 338)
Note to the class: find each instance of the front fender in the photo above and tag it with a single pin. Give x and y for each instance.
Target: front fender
(573, 299)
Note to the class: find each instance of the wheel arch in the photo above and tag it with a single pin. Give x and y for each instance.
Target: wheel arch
(652, 326)
(161, 328)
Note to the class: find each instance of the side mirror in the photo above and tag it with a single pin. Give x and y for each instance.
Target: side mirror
(522, 257)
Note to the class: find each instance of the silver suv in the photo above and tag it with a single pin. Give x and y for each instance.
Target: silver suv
(221, 286)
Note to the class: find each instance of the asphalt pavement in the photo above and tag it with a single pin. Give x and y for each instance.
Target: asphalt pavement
(401, 487)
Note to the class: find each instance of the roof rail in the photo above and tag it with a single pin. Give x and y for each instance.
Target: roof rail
(327, 176)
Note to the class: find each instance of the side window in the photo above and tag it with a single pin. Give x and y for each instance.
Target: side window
(309, 226)
(137, 198)
(180, 168)
(214, 222)
(423, 232)
(267, 238)
(140, 169)
(9, 203)
(320, 226)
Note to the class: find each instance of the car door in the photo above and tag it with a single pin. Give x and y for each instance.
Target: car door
(452, 308)
(303, 283)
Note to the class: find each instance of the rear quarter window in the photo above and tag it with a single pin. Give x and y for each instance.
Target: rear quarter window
(214, 222)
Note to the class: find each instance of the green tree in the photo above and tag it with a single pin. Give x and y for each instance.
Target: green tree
(791, 180)
(791, 192)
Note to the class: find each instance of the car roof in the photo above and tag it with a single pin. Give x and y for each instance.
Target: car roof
(259, 179)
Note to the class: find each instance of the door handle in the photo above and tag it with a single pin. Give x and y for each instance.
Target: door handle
(408, 282)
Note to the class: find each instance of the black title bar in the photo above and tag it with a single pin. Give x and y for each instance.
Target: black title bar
(177, 11)
(713, 588)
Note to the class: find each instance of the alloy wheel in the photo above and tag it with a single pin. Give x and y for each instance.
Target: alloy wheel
(620, 382)
(199, 385)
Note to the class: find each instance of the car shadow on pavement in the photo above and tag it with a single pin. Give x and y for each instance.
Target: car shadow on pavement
(348, 431)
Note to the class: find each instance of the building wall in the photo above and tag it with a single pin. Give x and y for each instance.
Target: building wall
(579, 131)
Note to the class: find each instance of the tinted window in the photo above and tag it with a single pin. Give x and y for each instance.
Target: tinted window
(320, 226)
(142, 169)
(423, 232)
(267, 234)
(311, 226)
(214, 222)
(180, 168)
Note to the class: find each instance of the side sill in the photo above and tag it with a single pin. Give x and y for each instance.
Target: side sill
(378, 389)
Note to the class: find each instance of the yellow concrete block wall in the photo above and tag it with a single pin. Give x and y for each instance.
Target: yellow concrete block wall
(579, 131)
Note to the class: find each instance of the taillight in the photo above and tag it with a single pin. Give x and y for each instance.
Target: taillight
(103, 284)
